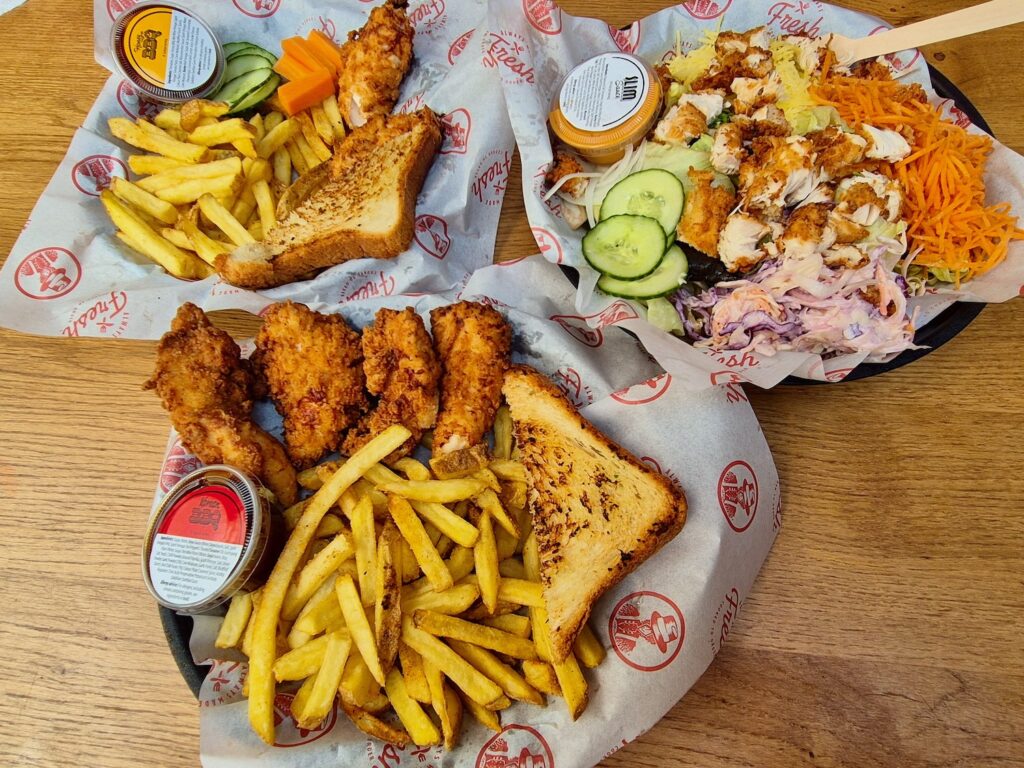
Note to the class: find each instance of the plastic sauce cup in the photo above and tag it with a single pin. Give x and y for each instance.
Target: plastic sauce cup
(168, 53)
(605, 104)
(213, 535)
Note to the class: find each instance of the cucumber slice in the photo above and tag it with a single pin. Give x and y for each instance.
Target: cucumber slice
(239, 65)
(237, 89)
(258, 95)
(231, 48)
(665, 279)
(625, 246)
(655, 193)
(248, 49)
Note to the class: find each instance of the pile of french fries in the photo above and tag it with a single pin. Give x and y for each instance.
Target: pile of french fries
(212, 182)
(397, 590)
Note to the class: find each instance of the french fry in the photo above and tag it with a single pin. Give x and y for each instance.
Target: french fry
(271, 120)
(167, 119)
(154, 140)
(222, 132)
(329, 527)
(506, 469)
(298, 160)
(362, 634)
(261, 660)
(364, 540)
(485, 556)
(506, 544)
(224, 221)
(301, 697)
(387, 610)
(512, 623)
(195, 110)
(374, 727)
(208, 250)
(480, 612)
(276, 137)
(452, 601)
(310, 157)
(330, 107)
(450, 524)
(513, 497)
(296, 638)
(309, 133)
(144, 165)
(488, 501)
(256, 121)
(412, 530)
(282, 167)
(255, 229)
(302, 662)
(439, 491)
(177, 237)
(444, 545)
(510, 568)
(541, 675)
(321, 611)
(412, 671)
(309, 479)
(142, 200)
(322, 123)
(235, 621)
(521, 592)
(434, 681)
(357, 687)
(405, 562)
(148, 242)
(328, 678)
(251, 626)
(489, 479)
(478, 634)
(511, 682)
(230, 167)
(476, 686)
(264, 204)
(246, 147)
(314, 573)
(221, 187)
(588, 648)
(412, 469)
(418, 725)
(486, 717)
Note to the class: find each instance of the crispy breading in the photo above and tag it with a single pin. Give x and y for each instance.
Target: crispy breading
(707, 207)
(206, 388)
(402, 369)
(312, 365)
(838, 152)
(563, 164)
(681, 124)
(727, 151)
(473, 342)
(374, 61)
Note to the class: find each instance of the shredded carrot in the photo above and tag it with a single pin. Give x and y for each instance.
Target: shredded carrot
(943, 177)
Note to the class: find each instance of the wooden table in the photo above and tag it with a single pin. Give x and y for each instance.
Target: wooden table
(885, 629)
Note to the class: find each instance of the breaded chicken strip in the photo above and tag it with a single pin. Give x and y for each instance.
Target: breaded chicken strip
(707, 207)
(402, 369)
(313, 368)
(374, 61)
(206, 388)
(473, 342)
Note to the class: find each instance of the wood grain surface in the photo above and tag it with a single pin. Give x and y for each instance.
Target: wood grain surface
(885, 629)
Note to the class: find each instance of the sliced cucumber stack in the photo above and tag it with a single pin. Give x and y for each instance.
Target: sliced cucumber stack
(249, 77)
(654, 193)
(665, 279)
(626, 247)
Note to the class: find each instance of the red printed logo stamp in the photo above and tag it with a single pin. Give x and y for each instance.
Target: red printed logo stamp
(456, 125)
(724, 618)
(456, 48)
(571, 383)
(645, 392)
(706, 9)
(550, 247)
(544, 16)
(177, 463)
(223, 683)
(257, 9)
(646, 630)
(492, 177)
(737, 495)
(656, 466)
(616, 313)
(325, 25)
(360, 286)
(577, 327)
(901, 61)
(48, 273)
(428, 17)
(104, 317)
(116, 7)
(797, 17)
(626, 40)
(517, 746)
(431, 234)
(837, 374)
(132, 102)
(508, 52)
(93, 174)
(288, 733)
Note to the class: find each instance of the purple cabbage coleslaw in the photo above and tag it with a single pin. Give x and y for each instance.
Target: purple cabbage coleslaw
(800, 304)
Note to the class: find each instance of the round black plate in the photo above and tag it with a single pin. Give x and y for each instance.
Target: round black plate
(943, 328)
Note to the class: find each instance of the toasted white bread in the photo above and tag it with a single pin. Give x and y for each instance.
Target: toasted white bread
(597, 511)
(361, 205)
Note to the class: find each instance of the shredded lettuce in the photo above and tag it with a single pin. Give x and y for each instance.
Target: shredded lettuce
(661, 313)
(704, 143)
(675, 90)
(946, 275)
(801, 110)
(678, 160)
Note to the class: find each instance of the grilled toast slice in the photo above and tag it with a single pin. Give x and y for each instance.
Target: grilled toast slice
(597, 511)
(360, 206)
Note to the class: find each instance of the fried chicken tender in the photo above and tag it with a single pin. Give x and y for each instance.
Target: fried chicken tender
(402, 369)
(313, 368)
(707, 207)
(473, 342)
(374, 61)
(206, 388)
